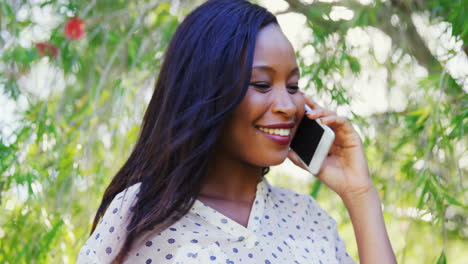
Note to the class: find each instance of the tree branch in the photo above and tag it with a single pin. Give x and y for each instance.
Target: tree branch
(408, 37)
(289, 10)
(405, 35)
(314, 13)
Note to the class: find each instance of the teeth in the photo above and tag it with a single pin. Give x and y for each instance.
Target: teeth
(276, 131)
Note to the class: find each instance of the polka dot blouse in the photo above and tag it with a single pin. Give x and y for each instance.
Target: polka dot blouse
(283, 227)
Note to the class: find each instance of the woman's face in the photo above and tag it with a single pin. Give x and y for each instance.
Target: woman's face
(260, 130)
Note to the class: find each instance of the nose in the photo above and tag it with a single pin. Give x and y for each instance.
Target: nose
(283, 103)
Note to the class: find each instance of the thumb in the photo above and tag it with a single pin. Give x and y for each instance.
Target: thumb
(292, 155)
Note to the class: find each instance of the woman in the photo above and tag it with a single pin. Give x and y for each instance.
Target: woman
(193, 191)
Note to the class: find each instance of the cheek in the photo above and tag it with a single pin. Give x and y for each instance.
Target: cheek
(240, 137)
(299, 101)
(252, 108)
(248, 143)
(240, 127)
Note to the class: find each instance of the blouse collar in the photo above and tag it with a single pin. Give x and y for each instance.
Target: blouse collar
(230, 226)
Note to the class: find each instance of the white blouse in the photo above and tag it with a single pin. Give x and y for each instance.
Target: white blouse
(283, 227)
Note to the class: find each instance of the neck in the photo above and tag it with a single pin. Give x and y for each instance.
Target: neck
(229, 179)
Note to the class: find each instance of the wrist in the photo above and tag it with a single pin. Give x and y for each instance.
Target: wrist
(360, 197)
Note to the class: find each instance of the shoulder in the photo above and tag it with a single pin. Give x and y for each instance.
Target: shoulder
(110, 232)
(286, 195)
(123, 200)
(119, 209)
(313, 222)
(303, 205)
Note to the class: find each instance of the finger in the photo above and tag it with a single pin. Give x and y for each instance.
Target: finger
(311, 103)
(337, 122)
(318, 113)
(296, 160)
(314, 106)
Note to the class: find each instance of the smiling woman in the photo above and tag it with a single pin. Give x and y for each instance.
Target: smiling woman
(193, 189)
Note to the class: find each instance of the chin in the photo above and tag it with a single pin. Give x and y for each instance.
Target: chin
(274, 160)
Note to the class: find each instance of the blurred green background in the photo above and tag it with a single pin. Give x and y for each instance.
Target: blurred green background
(76, 76)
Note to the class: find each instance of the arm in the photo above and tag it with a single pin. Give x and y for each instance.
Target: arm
(345, 171)
(369, 228)
(108, 237)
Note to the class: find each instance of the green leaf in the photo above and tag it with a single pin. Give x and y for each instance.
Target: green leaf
(442, 259)
(316, 188)
(12, 89)
(433, 190)
(452, 200)
(353, 64)
(423, 195)
(46, 3)
(113, 38)
(8, 10)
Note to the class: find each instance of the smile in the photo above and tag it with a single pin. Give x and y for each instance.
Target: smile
(284, 132)
(280, 133)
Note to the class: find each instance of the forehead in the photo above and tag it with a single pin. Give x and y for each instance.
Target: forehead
(273, 49)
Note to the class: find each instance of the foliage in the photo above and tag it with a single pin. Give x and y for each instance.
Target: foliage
(65, 138)
(415, 153)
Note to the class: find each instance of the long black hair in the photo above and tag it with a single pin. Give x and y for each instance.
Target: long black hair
(204, 76)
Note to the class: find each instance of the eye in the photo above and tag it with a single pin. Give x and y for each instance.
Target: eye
(293, 88)
(263, 87)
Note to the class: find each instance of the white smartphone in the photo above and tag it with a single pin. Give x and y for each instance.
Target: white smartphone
(312, 142)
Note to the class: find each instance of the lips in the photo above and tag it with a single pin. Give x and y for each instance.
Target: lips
(279, 133)
(276, 131)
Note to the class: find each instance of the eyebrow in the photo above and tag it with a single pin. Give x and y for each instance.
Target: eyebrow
(270, 69)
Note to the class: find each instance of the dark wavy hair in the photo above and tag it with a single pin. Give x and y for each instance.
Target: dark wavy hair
(204, 76)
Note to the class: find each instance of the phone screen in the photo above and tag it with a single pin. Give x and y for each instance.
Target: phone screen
(306, 139)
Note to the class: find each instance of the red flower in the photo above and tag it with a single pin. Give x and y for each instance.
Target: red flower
(46, 49)
(74, 28)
